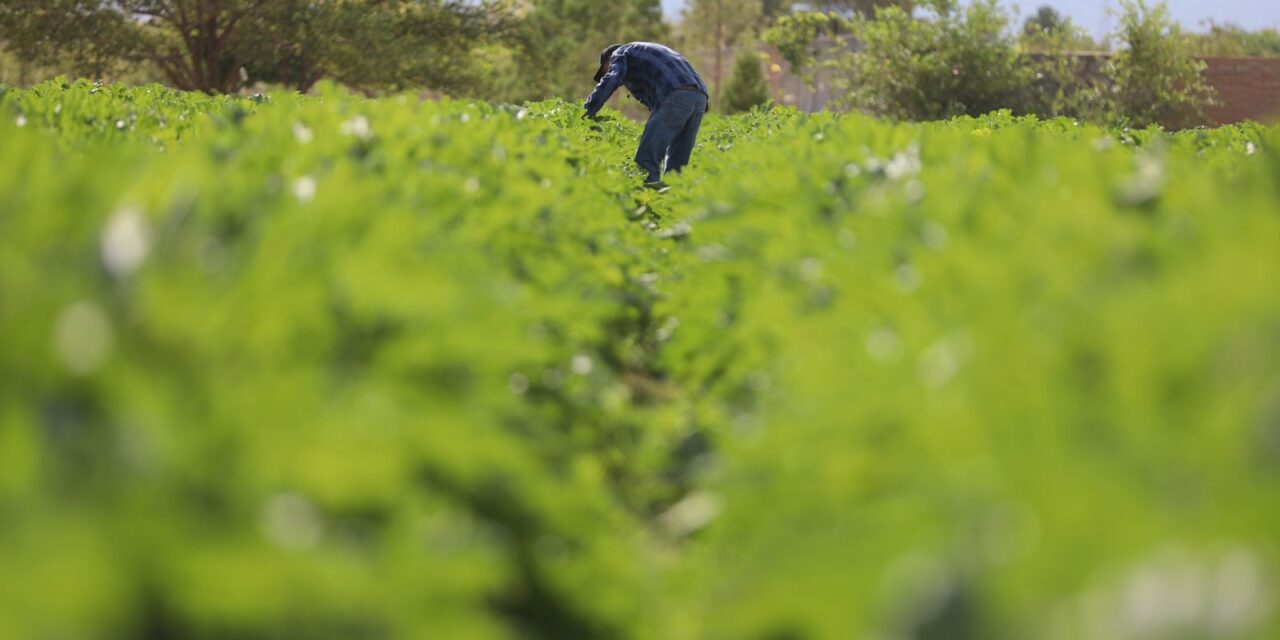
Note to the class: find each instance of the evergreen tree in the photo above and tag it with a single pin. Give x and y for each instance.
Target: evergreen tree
(746, 88)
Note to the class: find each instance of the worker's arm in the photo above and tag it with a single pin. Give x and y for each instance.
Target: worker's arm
(608, 84)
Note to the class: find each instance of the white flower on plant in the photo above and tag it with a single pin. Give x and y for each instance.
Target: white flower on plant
(358, 127)
(302, 134)
(934, 236)
(883, 345)
(581, 364)
(304, 189)
(1177, 592)
(125, 242)
(695, 511)
(905, 163)
(941, 361)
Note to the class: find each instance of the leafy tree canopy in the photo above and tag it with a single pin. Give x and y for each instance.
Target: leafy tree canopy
(215, 45)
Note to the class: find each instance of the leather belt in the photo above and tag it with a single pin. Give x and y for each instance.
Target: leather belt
(691, 87)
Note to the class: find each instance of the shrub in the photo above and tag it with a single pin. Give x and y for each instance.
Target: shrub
(966, 61)
(958, 61)
(1154, 77)
(746, 87)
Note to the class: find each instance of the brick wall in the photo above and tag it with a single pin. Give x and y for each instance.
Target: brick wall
(1248, 89)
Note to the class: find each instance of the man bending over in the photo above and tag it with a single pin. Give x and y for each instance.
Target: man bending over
(666, 83)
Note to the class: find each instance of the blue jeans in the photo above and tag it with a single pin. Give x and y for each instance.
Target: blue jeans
(671, 132)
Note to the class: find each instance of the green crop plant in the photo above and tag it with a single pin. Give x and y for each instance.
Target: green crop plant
(335, 367)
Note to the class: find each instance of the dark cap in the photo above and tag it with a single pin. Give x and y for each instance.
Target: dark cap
(605, 55)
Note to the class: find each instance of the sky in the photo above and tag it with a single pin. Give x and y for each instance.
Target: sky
(1092, 14)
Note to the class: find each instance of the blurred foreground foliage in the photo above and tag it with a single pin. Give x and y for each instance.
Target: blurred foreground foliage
(333, 367)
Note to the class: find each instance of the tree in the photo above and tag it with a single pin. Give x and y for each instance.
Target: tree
(719, 25)
(1046, 19)
(810, 40)
(1233, 40)
(772, 9)
(866, 8)
(81, 37)
(1050, 31)
(557, 42)
(370, 45)
(1154, 77)
(960, 61)
(204, 45)
(188, 39)
(964, 61)
(746, 88)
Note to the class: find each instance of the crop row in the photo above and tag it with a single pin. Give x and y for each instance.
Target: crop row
(336, 367)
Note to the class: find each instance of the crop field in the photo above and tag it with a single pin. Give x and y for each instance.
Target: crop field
(337, 367)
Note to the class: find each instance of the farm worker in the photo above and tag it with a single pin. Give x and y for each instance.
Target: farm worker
(666, 83)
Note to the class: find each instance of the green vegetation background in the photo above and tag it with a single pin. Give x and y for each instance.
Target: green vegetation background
(336, 367)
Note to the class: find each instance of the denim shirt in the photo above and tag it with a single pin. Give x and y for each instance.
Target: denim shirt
(649, 71)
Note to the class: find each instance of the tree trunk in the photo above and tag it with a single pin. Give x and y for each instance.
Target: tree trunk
(197, 64)
(718, 65)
